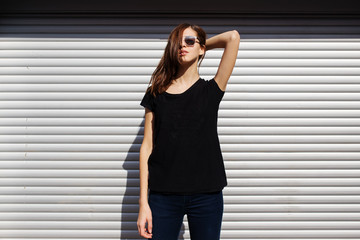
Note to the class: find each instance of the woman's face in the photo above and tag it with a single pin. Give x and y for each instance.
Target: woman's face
(190, 53)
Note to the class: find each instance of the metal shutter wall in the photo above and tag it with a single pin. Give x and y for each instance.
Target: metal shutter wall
(71, 125)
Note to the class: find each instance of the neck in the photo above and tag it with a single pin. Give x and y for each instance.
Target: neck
(187, 73)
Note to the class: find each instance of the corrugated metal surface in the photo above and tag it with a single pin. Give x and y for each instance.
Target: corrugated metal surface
(71, 125)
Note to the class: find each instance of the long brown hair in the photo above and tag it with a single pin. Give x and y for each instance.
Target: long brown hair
(168, 66)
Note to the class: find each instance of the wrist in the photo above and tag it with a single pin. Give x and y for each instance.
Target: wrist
(143, 201)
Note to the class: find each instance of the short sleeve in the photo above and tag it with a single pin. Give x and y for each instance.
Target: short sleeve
(148, 101)
(215, 90)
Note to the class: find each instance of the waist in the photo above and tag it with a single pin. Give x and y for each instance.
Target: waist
(189, 193)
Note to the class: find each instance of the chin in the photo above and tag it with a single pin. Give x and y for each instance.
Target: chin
(184, 60)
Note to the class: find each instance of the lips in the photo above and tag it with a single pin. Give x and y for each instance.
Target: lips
(183, 52)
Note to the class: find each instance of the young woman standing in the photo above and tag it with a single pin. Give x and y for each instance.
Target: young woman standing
(180, 156)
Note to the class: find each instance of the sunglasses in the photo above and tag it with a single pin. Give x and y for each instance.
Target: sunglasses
(190, 40)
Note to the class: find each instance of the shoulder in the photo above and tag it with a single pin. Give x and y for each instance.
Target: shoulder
(212, 83)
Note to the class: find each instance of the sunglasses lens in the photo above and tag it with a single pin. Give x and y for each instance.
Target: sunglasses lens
(190, 41)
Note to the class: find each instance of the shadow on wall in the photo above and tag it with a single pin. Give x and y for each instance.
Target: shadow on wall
(131, 195)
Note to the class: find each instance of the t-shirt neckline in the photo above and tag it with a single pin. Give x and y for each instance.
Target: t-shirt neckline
(187, 90)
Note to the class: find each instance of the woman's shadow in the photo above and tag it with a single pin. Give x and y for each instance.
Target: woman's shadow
(130, 201)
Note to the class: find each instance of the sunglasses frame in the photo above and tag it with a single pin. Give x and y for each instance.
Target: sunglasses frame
(191, 37)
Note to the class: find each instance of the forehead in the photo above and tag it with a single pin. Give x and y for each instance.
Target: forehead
(189, 32)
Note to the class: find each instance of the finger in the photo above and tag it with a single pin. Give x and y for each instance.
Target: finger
(150, 225)
(148, 234)
(145, 234)
(141, 229)
(142, 232)
(138, 226)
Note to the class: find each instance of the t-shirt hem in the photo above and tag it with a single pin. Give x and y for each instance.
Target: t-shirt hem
(147, 106)
(189, 192)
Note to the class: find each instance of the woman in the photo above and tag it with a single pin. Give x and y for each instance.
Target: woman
(180, 156)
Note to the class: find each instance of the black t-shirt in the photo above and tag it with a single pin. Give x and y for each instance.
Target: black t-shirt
(186, 156)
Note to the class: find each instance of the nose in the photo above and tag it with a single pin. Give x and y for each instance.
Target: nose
(183, 44)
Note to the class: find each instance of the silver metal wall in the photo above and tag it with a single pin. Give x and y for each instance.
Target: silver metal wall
(71, 125)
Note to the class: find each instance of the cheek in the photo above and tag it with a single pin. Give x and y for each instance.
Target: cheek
(196, 53)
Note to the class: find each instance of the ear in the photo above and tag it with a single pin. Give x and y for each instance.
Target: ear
(202, 50)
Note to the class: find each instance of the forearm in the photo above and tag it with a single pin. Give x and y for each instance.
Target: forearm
(144, 174)
(221, 40)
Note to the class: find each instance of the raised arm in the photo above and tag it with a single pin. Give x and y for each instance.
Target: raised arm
(230, 41)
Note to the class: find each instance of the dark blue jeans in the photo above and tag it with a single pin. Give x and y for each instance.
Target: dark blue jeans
(204, 214)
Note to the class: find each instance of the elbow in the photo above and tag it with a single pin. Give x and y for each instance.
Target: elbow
(146, 148)
(235, 36)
